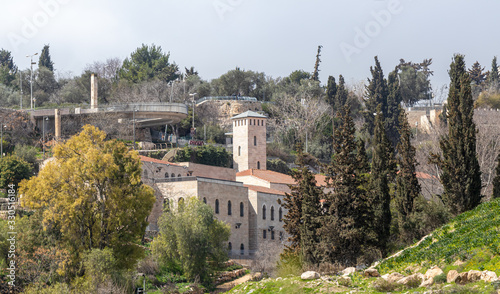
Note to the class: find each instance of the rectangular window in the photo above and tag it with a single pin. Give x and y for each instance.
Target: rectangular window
(264, 232)
(272, 235)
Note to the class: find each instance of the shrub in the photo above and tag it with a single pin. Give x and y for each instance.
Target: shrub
(290, 263)
(440, 279)
(382, 285)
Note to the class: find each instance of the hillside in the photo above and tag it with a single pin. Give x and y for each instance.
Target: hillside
(471, 241)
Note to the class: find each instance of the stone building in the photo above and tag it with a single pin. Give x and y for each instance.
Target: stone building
(246, 197)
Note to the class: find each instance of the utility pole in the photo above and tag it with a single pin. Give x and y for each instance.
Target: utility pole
(31, 79)
(21, 87)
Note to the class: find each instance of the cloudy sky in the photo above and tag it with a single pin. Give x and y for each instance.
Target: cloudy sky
(275, 37)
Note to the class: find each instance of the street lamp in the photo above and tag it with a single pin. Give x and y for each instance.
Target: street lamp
(1, 139)
(43, 139)
(31, 79)
(133, 119)
(194, 94)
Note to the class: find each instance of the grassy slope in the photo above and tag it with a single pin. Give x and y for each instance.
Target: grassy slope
(472, 237)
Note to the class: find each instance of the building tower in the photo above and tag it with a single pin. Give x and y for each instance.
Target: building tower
(249, 141)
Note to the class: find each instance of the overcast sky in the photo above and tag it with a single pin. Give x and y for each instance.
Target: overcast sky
(274, 37)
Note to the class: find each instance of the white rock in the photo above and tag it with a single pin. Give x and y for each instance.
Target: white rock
(489, 276)
(474, 276)
(310, 275)
(432, 272)
(371, 272)
(348, 271)
(392, 277)
(452, 276)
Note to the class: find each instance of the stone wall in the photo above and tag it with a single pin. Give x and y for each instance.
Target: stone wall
(208, 171)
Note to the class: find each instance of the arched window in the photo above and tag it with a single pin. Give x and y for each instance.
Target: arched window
(179, 175)
(242, 249)
(258, 123)
(254, 140)
(229, 212)
(258, 164)
(205, 200)
(217, 206)
(254, 121)
(272, 235)
(272, 213)
(229, 247)
(280, 212)
(239, 150)
(242, 206)
(264, 212)
(264, 234)
(166, 175)
(250, 122)
(172, 175)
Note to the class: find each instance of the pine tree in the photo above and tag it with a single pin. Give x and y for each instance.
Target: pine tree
(493, 76)
(376, 93)
(476, 74)
(342, 95)
(460, 173)
(361, 157)
(496, 180)
(382, 169)
(346, 230)
(45, 59)
(311, 209)
(315, 76)
(407, 186)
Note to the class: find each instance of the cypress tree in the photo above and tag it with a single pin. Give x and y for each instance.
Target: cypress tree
(311, 209)
(493, 76)
(346, 230)
(376, 93)
(460, 173)
(382, 169)
(331, 91)
(45, 59)
(496, 180)
(394, 99)
(407, 186)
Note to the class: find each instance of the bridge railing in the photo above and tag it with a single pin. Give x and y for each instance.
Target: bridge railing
(242, 98)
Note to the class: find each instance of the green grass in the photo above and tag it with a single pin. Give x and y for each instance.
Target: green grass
(472, 237)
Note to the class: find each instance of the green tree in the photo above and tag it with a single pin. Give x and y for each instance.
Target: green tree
(239, 82)
(376, 93)
(315, 75)
(297, 76)
(346, 233)
(493, 76)
(147, 63)
(414, 82)
(45, 59)
(496, 180)
(278, 165)
(191, 240)
(407, 185)
(382, 170)
(311, 210)
(460, 172)
(392, 123)
(331, 91)
(477, 75)
(8, 69)
(13, 170)
(206, 154)
(92, 191)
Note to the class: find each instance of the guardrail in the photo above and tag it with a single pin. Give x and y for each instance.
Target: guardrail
(241, 98)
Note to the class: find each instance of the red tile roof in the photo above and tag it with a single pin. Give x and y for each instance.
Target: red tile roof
(264, 190)
(276, 177)
(154, 160)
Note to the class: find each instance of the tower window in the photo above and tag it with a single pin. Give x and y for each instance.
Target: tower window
(254, 140)
(254, 121)
(239, 150)
(257, 122)
(258, 164)
(250, 122)
(264, 212)
(217, 206)
(242, 206)
(229, 212)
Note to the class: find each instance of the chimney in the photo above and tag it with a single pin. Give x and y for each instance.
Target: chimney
(93, 91)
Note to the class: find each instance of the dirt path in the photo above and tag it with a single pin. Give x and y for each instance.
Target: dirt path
(229, 285)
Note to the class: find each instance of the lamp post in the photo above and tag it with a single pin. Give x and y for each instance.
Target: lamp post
(133, 119)
(1, 139)
(31, 79)
(43, 139)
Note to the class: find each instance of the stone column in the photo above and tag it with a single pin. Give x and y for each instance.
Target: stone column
(93, 91)
(57, 123)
